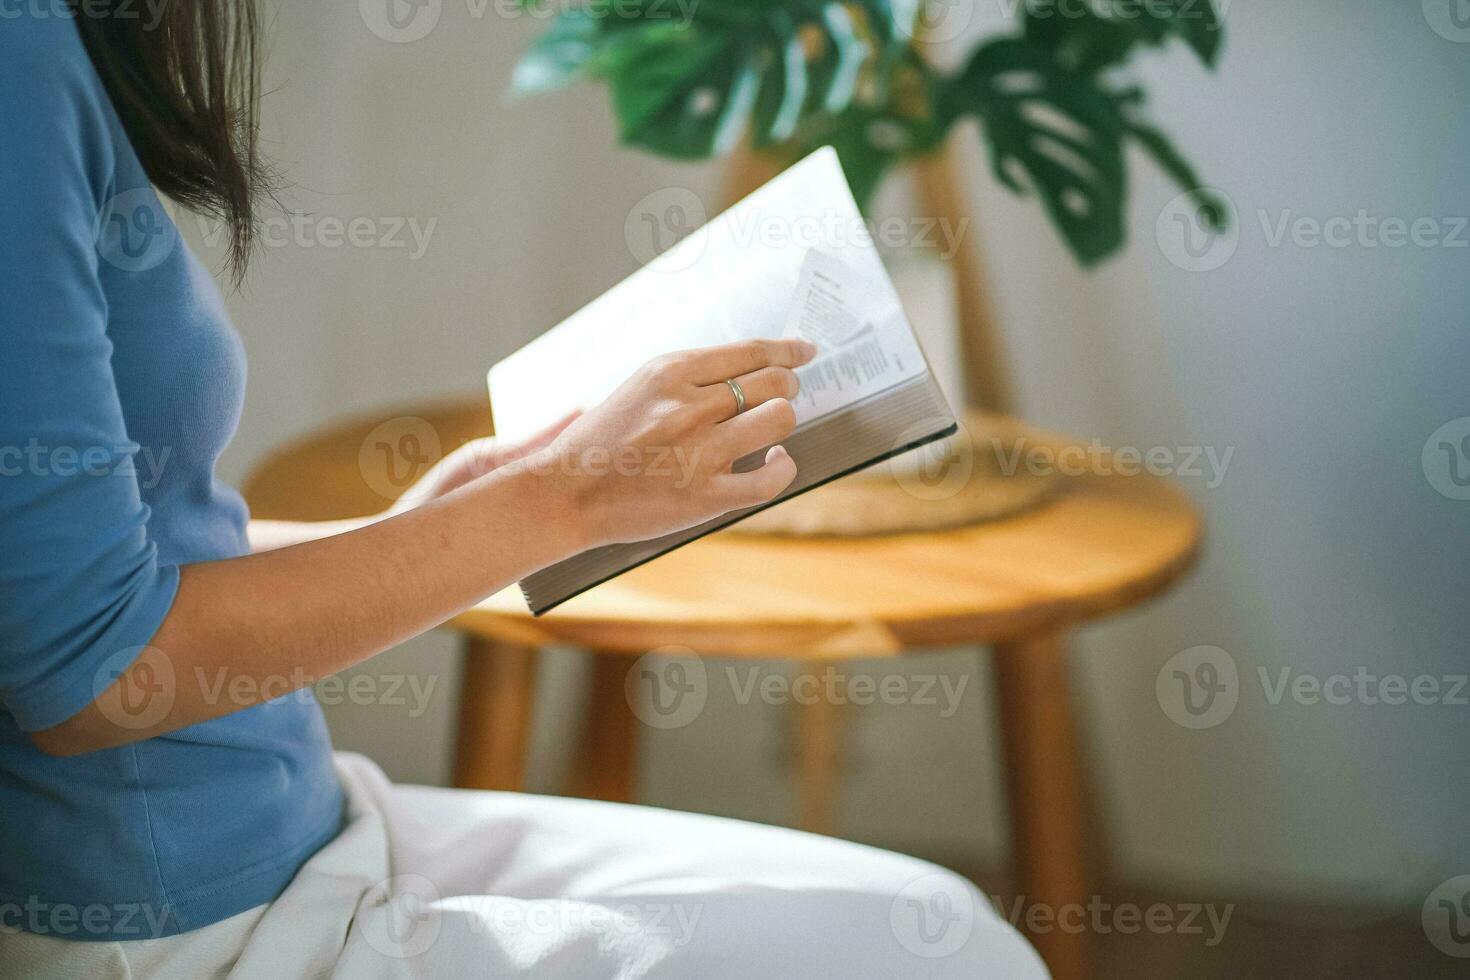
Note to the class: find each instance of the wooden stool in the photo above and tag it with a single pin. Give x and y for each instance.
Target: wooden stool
(1102, 545)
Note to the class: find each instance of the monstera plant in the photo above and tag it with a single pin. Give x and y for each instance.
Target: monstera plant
(691, 78)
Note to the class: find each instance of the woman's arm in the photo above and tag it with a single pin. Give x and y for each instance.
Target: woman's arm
(295, 614)
(470, 461)
(305, 611)
(272, 535)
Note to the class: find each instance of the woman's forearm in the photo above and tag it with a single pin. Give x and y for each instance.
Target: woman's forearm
(289, 616)
(270, 535)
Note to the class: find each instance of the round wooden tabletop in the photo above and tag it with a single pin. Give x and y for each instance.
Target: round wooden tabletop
(1102, 543)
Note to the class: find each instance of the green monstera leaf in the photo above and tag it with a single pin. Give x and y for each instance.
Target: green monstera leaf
(692, 85)
(687, 93)
(559, 57)
(1052, 132)
(692, 79)
(870, 137)
(582, 43)
(1060, 133)
(1092, 37)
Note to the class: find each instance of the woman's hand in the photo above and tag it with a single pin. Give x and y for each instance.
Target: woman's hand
(467, 463)
(656, 455)
(473, 460)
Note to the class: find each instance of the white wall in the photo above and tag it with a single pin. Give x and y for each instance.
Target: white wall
(1324, 369)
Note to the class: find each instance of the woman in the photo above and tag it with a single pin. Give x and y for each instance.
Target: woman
(166, 812)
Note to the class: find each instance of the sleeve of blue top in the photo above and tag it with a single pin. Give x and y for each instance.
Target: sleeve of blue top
(81, 588)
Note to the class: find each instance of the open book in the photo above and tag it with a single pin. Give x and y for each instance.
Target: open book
(795, 258)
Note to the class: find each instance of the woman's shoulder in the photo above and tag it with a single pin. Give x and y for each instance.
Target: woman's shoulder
(40, 42)
(52, 104)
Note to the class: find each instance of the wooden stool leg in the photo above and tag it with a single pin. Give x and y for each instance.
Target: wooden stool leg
(819, 747)
(1044, 783)
(496, 698)
(605, 766)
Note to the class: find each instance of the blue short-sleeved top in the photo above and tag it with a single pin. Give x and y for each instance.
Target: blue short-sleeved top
(121, 381)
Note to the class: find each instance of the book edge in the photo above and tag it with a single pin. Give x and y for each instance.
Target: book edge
(944, 433)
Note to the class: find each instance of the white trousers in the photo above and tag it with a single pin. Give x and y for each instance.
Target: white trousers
(429, 882)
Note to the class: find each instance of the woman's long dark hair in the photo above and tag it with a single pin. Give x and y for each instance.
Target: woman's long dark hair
(184, 76)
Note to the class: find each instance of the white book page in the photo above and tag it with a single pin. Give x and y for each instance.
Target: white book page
(865, 342)
(738, 277)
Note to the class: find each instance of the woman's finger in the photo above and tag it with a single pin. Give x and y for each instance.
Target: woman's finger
(757, 486)
(758, 387)
(756, 428)
(714, 364)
